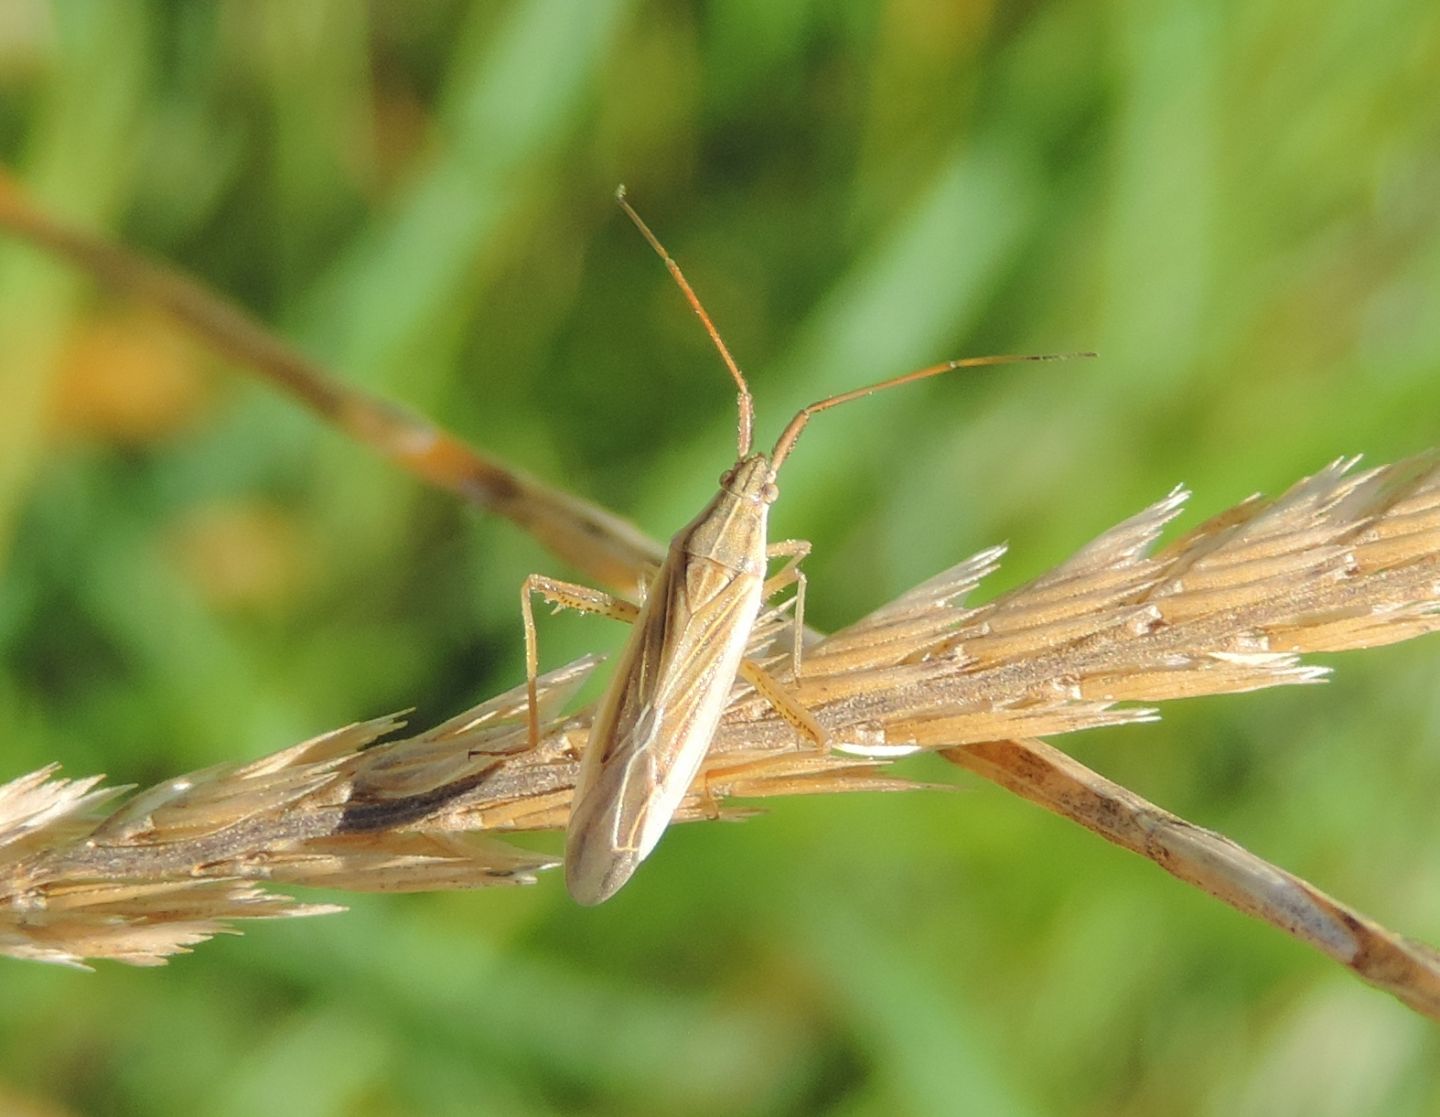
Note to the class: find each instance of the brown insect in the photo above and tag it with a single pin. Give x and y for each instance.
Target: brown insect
(657, 718)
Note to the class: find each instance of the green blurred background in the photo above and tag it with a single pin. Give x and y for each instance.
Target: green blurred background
(1238, 205)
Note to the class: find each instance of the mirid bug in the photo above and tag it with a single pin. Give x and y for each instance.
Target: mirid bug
(655, 721)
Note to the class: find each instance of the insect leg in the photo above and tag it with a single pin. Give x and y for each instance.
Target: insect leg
(708, 803)
(784, 703)
(564, 595)
(795, 550)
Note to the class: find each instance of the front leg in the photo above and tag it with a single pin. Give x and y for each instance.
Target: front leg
(563, 595)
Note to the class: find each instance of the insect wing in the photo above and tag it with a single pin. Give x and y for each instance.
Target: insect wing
(653, 727)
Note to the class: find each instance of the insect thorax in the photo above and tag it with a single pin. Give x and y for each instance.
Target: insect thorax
(731, 529)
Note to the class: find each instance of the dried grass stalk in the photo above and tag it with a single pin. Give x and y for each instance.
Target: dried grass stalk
(606, 547)
(1214, 864)
(1343, 560)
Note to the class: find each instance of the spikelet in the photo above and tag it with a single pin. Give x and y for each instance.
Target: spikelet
(1343, 560)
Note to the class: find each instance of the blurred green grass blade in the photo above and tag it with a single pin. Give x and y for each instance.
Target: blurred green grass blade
(325, 1062)
(927, 1054)
(77, 159)
(503, 113)
(456, 988)
(317, 68)
(1162, 232)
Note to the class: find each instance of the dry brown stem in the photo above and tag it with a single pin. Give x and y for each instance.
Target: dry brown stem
(595, 541)
(1343, 560)
(1212, 863)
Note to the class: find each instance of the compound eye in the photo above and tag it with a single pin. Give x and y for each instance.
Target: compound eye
(770, 493)
(727, 477)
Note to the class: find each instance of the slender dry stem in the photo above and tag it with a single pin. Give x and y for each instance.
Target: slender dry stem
(1212, 863)
(603, 546)
(1343, 560)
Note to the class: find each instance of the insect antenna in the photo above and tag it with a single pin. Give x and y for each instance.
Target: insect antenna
(786, 442)
(746, 404)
